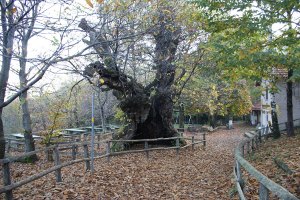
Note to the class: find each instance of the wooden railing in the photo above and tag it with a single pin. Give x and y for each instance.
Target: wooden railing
(9, 185)
(266, 186)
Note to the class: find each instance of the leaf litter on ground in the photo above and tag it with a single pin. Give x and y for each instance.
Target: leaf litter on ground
(205, 173)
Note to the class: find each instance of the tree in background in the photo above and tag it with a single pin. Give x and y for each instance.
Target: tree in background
(209, 93)
(18, 20)
(12, 118)
(240, 39)
(23, 34)
(9, 24)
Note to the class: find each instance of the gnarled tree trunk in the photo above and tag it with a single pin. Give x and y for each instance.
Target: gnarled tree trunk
(149, 108)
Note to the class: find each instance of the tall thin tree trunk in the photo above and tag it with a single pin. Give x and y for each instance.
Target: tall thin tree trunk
(289, 100)
(26, 121)
(275, 126)
(26, 118)
(8, 31)
(2, 139)
(76, 114)
(181, 116)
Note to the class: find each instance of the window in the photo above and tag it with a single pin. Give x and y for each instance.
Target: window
(296, 89)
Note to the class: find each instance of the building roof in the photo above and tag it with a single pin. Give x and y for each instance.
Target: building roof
(256, 106)
(279, 72)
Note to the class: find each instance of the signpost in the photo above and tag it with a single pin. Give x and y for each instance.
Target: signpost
(92, 136)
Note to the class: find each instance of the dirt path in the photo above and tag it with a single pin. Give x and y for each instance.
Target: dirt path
(199, 174)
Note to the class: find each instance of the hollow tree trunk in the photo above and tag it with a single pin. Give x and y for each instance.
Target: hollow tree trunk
(149, 108)
(150, 120)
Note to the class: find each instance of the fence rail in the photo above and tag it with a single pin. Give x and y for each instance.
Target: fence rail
(266, 186)
(9, 185)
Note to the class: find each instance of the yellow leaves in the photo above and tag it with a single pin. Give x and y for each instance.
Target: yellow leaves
(89, 3)
(101, 80)
(14, 10)
(242, 54)
(11, 11)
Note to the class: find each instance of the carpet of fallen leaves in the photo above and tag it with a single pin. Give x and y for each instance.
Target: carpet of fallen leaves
(286, 149)
(205, 173)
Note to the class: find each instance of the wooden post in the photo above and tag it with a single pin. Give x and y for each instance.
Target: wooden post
(177, 145)
(7, 181)
(73, 152)
(263, 192)
(204, 140)
(72, 138)
(8, 145)
(243, 151)
(57, 162)
(86, 155)
(256, 141)
(259, 136)
(98, 139)
(146, 148)
(193, 142)
(239, 175)
(108, 151)
(248, 147)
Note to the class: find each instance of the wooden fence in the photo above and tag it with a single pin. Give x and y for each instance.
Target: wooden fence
(266, 186)
(9, 185)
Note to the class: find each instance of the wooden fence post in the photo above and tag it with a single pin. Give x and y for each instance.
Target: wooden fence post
(243, 151)
(8, 145)
(86, 155)
(248, 147)
(263, 192)
(259, 136)
(57, 162)
(108, 151)
(193, 142)
(7, 181)
(256, 141)
(177, 145)
(98, 139)
(146, 148)
(239, 175)
(74, 152)
(204, 140)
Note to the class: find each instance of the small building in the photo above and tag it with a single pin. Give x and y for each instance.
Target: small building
(279, 98)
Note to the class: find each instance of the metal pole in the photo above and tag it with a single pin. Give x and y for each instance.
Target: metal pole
(92, 136)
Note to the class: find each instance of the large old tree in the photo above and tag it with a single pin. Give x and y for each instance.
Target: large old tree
(156, 38)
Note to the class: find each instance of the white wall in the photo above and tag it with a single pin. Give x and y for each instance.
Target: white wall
(280, 99)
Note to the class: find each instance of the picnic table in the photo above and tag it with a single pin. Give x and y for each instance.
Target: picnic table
(21, 136)
(73, 133)
(97, 129)
(17, 141)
